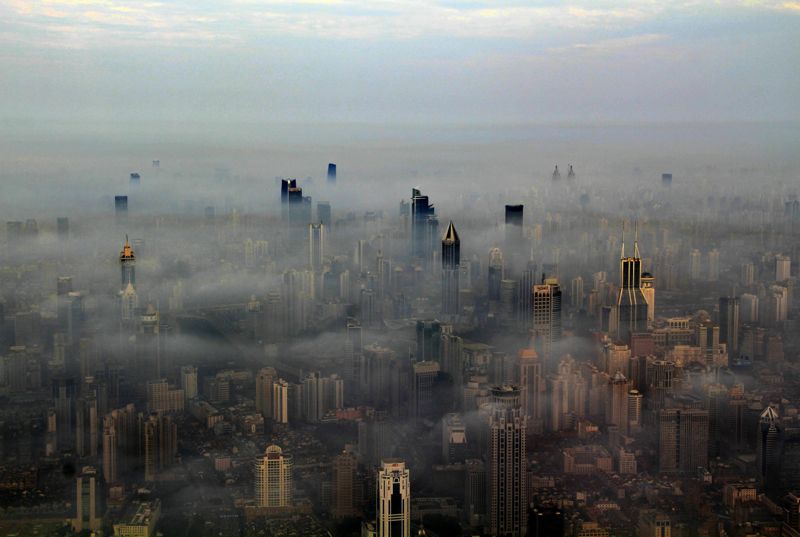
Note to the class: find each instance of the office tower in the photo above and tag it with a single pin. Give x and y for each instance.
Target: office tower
(576, 293)
(189, 382)
(749, 308)
(394, 499)
(86, 426)
(666, 180)
(110, 450)
(475, 498)
(454, 439)
(682, 440)
(694, 265)
(88, 512)
(649, 292)
(713, 265)
(729, 323)
(287, 184)
(421, 210)
(783, 268)
(617, 403)
(654, 523)
(452, 356)
(62, 228)
(280, 401)
(273, 478)
(353, 354)
(707, 338)
(533, 386)
(265, 378)
(451, 261)
(507, 472)
(324, 214)
(121, 209)
(316, 246)
(777, 304)
(514, 223)
(159, 444)
(370, 316)
(344, 480)
(135, 179)
(161, 397)
(423, 380)
(768, 440)
(631, 303)
(546, 302)
(495, 273)
(659, 377)
(635, 398)
(429, 341)
(331, 173)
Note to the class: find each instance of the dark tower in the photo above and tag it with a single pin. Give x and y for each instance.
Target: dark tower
(631, 303)
(421, 210)
(332, 173)
(451, 259)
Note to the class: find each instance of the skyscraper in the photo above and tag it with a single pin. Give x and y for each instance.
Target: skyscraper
(316, 246)
(649, 292)
(513, 221)
(533, 386)
(332, 173)
(88, 514)
(546, 304)
(121, 210)
(508, 505)
(423, 379)
(394, 499)
(768, 447)
(273, 478)
(265, 378)
(344, 477)
(421, 211)
(631, 303)
(451, 259)
(682, 440)
(494, 273)
(729, 323)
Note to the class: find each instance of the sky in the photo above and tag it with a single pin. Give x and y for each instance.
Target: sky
(394, 62)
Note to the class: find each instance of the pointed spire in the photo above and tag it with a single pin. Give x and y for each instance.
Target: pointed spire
(450, 236)
(622, 249)
(636, 239)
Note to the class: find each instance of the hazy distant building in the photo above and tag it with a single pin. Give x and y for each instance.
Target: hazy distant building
(88, 510)
(729, 323)
(423, 381)
(682, 440)
(345, 466)
(768, 440)
(121, 210)
(393, 499)
(331, 173)
(783, 268)
(324, 214)
(421, 212)
(316, 246)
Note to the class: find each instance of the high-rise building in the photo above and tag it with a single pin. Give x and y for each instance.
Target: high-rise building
(649, 292)
(713, 265)
(747, 274)
(88, 511)
(617, 404)
(394, 499)
(423, 380)
(546, 303)
(507, 468)
(494, 273)
(631, 302)
(421, 210)
(344, 480)
(682, 440)
(324, 214)
(273, 478)
(159, 444)
(451, 261)
(189, 381)
(749, 308)
(280, 401)
(429, 341)
(783, 268)
(576, 293)
(729, 323)
(332, 173)
(514, 223)
(768, 455)
(316, 246)
(265, 378)
(121, 210)
(533, 386)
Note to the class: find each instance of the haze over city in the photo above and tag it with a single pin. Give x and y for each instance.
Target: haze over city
(455, 268)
